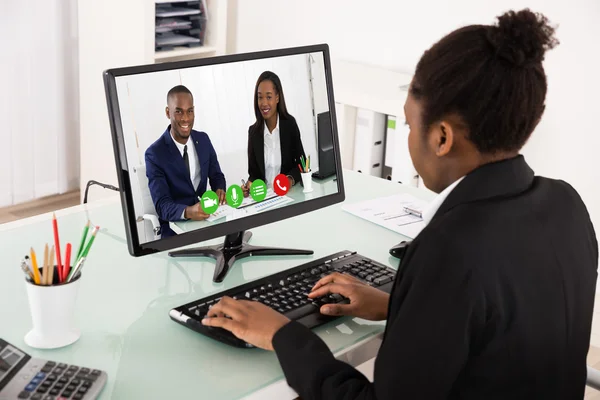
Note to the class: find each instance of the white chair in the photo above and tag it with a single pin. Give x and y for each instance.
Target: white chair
(148, 213)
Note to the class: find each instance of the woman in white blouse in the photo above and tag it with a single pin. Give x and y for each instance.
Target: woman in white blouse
(274, 143)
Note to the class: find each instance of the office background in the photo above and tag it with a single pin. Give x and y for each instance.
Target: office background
(54, 123)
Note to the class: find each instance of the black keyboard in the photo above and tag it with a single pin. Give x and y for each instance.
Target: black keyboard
(287, 293)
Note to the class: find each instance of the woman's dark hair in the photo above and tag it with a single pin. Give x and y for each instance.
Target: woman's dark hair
(281, 108)
(491, 77)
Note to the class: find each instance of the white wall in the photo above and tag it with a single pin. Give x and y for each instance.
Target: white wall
(107, 39)
(38, 110)
(394, 34)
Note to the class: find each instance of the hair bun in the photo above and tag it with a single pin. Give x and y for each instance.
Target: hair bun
(522, 37)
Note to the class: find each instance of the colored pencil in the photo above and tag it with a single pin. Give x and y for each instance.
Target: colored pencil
(36, 271)
(67, 266)
(45, 266)
(50, 277)
(57, 247)
(89, 245)
(82, 241)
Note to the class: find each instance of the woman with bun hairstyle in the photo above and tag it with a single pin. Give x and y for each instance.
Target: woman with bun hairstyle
(494, 298)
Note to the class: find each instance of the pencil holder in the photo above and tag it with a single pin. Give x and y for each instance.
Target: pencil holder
(52, 311)
(307, 181)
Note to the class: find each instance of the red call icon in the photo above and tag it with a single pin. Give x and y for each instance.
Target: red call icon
(281, 185)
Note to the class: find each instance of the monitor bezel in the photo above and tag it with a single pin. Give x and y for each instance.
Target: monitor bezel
(136, 248)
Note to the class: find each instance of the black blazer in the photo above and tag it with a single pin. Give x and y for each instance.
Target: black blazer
(493, 300)
(291, 150)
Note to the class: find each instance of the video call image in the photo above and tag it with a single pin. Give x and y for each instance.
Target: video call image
(210, 144)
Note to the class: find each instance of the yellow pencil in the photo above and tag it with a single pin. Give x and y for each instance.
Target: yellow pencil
(36, 272)
(50, 278)
(45, 266)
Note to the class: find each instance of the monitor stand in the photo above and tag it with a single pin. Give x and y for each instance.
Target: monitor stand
(234, 247)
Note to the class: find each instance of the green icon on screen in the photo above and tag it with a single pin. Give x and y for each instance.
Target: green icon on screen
(258, 190)
(234, 196)
(209, 202)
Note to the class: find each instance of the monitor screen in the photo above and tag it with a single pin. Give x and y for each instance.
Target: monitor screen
(214, 146)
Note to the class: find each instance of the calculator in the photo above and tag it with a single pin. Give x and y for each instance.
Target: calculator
(26, 377)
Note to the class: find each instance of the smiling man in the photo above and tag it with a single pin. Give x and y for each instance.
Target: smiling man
(180, 164)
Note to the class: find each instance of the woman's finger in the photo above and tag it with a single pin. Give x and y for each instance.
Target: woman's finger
(340, 288)
(227, 306)
(334, 277)
(219, 322)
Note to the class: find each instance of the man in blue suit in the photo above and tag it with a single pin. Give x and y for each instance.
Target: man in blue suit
(180, 164)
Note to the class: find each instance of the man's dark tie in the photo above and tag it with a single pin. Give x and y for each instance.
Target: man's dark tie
(186, 159)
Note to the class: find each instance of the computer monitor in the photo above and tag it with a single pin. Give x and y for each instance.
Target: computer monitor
(325, 147)
(191, 135)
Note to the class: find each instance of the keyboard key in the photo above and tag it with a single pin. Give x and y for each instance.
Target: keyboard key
(382, 280)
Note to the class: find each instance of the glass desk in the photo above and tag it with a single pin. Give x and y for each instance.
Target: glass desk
(123, 303)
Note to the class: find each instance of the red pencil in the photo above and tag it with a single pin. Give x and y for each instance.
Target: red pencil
(300, 168)
(57, 247)
(67, 266)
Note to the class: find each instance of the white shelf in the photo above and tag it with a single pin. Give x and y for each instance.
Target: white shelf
(183, 51)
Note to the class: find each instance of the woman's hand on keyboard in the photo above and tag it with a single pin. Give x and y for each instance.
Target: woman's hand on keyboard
(365, 301)
(250, 321)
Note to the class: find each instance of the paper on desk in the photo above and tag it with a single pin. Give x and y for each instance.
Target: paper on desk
(389, 213)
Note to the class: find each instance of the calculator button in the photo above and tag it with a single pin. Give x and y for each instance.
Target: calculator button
(62, 365)
(67, 393)
(85, 370)
(36, 396)
(54, 391)
(31, 387)
(63, 380)
(78, 396)
(49, 397)
(24, 395)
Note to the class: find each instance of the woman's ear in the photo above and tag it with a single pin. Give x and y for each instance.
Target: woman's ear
(441, 138)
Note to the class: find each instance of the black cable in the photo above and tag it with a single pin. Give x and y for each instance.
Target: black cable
(92, 182)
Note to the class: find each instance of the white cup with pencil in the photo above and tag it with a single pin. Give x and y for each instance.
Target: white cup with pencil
(306, 174)
(52, 288)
